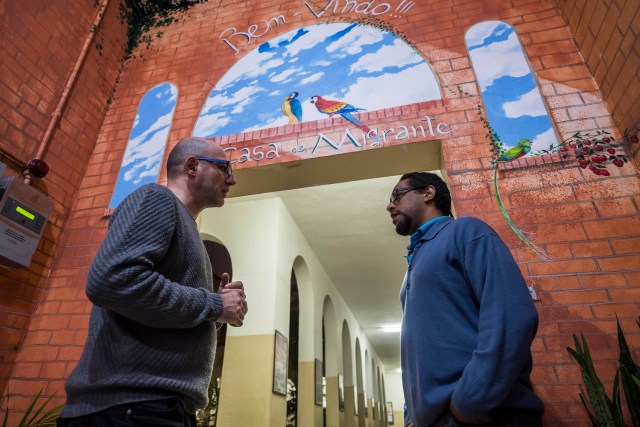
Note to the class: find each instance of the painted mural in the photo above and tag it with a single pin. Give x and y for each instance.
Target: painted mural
(511, 96)
(147, 141)
(315, 72)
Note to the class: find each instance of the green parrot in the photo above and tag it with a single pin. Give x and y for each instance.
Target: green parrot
(523, 147)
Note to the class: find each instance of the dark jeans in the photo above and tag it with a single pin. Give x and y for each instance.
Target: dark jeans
(150, 413)
(502, 417)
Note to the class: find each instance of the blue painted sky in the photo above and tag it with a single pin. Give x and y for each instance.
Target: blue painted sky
(147, 141)
(363, 66)
(512, 99)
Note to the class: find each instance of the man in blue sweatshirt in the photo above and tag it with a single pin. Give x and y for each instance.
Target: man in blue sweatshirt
(468, 317)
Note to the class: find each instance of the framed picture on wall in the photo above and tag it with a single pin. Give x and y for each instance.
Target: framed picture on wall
(318, 382)
(341, 393)
(280, 354)
(390, 420)
(355, 400)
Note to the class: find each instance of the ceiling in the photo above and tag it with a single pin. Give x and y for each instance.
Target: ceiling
(339, 204)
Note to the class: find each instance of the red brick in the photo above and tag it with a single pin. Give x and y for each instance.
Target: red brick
(603, 281)
(620, 263)
(607, 228)
(562, 267)
(619, 309)
(626, 246)
(579, 297)
(590, 249)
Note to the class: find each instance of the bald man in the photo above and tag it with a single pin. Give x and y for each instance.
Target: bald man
(152, 332)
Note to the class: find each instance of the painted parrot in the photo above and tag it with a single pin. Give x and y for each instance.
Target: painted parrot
(343, 109)
(292, 108)
(523, 147)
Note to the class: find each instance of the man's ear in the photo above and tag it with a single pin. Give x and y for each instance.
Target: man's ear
(191, 165)
(429, 193)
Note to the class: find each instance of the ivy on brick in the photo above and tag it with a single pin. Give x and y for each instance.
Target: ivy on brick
(144, 15)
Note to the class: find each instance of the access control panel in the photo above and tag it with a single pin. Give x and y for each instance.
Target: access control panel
(23, 214)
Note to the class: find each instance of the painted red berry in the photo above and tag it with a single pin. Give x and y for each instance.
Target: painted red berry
(634, 139)
(598, 147)
(572, 145)
(582, 163)
(618, 162)
(586, 142)
(596, 159)
(606, 139)
(611, 151)
(586, 150)
(603, 172)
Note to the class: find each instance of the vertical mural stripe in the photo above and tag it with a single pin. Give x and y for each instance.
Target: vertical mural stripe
(147, 141)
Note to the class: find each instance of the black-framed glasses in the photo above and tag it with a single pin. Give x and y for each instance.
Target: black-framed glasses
(227, 164)
(397, 194)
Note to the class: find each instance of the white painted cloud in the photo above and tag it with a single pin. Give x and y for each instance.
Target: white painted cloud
(172, 91)
(238, 99)
(316, 35)
(478, 33)
(282, 76)
(209, 125)
(279, 121)
(399, 53)
(415, 84)
(352, 42)
(544, 140)
(146, 144)
(312, 78)
(253, 64)
(529, 104)
(320, 63)
(504, 58)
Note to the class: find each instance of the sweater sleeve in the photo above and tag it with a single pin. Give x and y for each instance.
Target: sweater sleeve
(506, 327)
(123, 278)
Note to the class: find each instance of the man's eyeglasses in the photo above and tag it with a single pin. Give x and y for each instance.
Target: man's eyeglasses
(227, 164)
(397, 194)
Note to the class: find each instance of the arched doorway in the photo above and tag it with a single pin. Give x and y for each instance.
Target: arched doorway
(292, 371)
(220, 263)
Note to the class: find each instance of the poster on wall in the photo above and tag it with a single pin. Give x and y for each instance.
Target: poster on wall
(341, 393)
(390, 419)
(281, 352)
(319, 381)
(355, 400)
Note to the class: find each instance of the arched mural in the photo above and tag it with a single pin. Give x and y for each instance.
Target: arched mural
(316, 72)
(512, 98)
(147, 141)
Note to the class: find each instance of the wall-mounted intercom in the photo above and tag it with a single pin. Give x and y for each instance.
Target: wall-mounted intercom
(23, 214)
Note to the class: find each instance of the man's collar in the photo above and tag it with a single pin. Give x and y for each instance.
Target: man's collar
(419, 233)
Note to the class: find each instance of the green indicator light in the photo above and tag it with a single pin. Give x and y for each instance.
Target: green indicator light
(25, 212)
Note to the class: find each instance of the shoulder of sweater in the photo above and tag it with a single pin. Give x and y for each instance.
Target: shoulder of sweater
(472, 228)
(145, 200)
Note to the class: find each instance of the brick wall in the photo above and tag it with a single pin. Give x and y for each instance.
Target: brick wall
(610, 46)
(40, 45)
(588, 225)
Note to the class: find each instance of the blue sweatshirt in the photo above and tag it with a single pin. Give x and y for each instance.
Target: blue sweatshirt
(467, 327)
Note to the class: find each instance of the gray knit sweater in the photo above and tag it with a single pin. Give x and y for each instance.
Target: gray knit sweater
(152, 331)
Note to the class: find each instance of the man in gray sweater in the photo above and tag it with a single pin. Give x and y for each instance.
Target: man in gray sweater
(152, 332)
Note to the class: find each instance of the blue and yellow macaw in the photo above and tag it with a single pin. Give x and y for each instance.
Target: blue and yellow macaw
(523, 148)
(292, 108)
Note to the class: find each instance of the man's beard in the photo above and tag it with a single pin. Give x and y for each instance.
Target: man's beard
(403, 225)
